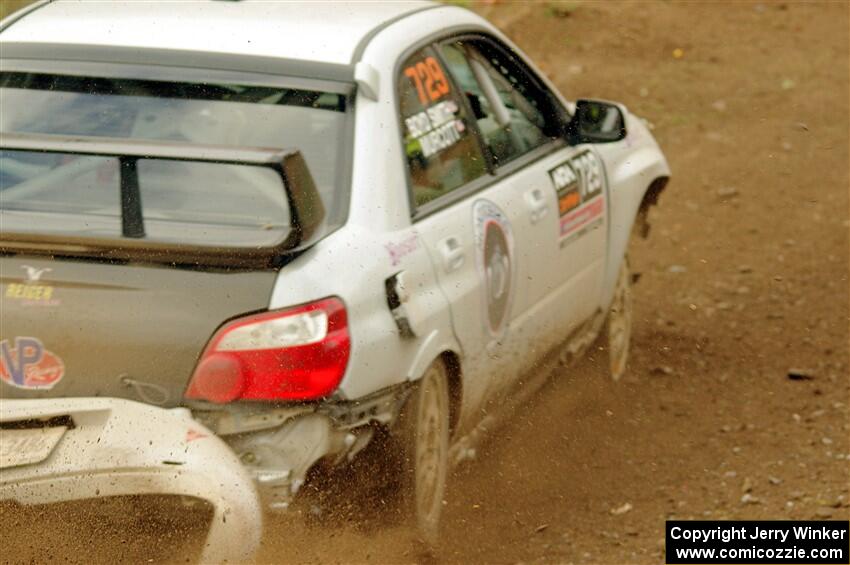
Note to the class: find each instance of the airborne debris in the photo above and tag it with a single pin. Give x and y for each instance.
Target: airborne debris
(561, 10)
(620, 510)
(800, 375)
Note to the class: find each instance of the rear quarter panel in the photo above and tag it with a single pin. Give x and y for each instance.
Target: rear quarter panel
(353, 264)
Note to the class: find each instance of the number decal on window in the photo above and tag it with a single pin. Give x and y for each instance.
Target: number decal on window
(441, 85)
(429, 79)
(442, 155)
(411, 73)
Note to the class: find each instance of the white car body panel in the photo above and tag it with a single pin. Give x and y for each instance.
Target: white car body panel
(450, 237)
(120, 447)
(565, 289)
(380, 357)
(188, 25)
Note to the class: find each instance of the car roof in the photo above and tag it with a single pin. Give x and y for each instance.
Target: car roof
(325, 32)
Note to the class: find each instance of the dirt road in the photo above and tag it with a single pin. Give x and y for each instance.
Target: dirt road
(745, 276)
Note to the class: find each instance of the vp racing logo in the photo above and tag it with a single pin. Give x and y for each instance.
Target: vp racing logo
(27, 364)
(494, 256)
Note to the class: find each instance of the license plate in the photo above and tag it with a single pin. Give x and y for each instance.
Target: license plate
(27, 446)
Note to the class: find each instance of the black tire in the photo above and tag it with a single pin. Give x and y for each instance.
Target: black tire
(423, 440)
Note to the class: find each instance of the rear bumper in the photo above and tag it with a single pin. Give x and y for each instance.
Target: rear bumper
(119, 447)
(280, 444)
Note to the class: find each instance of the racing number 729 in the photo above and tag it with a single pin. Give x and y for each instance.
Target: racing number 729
(428, 72)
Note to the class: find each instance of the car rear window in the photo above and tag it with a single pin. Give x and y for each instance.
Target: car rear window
(198, 203)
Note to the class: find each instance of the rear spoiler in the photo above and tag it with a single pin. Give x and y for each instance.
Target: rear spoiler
(307, 212)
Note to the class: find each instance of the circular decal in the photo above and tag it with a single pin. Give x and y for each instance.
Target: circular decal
(25, 363)
(494, 255)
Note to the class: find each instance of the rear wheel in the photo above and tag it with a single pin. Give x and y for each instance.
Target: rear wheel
(424, 434)
(618, 327)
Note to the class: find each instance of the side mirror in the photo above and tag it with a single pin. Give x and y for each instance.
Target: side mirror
(595, 121)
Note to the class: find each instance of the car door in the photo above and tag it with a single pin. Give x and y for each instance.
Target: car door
(469, 223)
(521, 125)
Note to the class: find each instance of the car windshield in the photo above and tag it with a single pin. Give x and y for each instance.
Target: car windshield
(182, 202)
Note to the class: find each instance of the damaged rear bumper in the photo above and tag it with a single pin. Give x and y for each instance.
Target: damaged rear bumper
(279, 445)
(77, 449)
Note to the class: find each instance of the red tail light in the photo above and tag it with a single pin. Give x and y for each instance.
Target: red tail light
(296, 354)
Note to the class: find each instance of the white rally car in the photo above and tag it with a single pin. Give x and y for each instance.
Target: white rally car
(306, 223)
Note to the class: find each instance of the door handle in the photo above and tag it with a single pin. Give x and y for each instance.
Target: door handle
(536, 201)
(451, 250)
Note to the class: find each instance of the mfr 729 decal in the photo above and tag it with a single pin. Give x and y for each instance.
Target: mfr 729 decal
(436, 127)
(27, 364)
(431, 83)
(579, 183)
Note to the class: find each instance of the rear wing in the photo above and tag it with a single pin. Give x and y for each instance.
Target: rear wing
(307, 213)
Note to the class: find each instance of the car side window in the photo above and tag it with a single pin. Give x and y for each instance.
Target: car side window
(441, 149)
(509, 105)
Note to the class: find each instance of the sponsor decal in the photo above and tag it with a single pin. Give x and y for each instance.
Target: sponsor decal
(32, 292)
(565, 181)
(494, 257)
(27, 364)
(436, 128)
(568, 201)
(192, 435)
(34, 273)
(578, 183)
(580, 220)
(403, 248)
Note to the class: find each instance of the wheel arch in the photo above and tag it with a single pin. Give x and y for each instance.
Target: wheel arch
(630, 204)
(444, 347)
(452, 362)
(650, 199)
